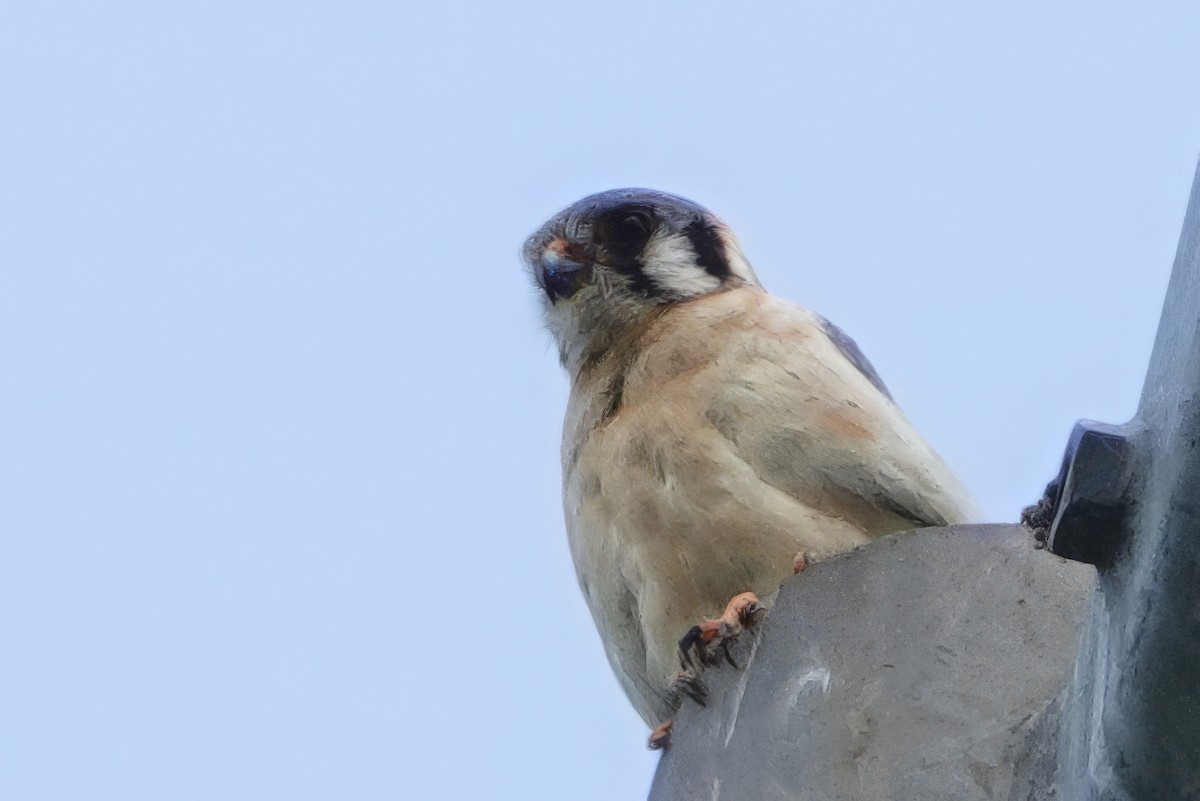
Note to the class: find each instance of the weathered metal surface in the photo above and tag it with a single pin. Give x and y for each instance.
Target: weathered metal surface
(1137, 729)
(924, 665)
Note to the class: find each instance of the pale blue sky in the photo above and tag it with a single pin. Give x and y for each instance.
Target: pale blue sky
(278, 453)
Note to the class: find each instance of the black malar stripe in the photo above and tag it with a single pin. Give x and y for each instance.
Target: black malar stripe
(709, 248)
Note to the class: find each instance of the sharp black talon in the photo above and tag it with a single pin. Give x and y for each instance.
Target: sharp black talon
(693, 644)
(686, 682)
(728, 656)
(696, 690)
(691, 641)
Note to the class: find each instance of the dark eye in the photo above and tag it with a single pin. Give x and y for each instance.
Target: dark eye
(627, 230)
(635, 224)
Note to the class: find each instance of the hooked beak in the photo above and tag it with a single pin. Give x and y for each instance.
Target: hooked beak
(564, 268)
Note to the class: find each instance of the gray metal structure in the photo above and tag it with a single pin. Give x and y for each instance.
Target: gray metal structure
(966, 663)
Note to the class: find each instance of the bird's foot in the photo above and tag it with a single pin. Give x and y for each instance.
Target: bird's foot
(660, 737)
(741, 612)
(687, 681)
(700, 646)
(802, 561)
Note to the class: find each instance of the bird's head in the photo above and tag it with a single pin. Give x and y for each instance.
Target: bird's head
(607, 262)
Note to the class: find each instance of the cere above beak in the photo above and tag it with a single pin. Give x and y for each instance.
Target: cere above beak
(565, 268)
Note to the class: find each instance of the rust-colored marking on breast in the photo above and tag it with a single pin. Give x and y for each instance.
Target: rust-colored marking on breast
(841, 423)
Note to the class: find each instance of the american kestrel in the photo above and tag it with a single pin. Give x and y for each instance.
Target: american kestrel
(716, 438)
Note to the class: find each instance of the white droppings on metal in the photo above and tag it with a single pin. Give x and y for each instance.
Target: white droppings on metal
(741, 689)
(819, 675)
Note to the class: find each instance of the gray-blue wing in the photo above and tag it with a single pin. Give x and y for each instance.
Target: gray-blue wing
(851, 351)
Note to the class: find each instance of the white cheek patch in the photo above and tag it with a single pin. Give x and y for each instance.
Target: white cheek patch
(670, 263)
